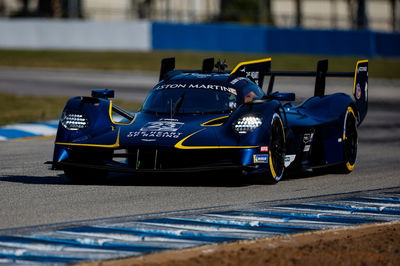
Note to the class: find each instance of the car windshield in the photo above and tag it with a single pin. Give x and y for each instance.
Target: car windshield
(190, 101)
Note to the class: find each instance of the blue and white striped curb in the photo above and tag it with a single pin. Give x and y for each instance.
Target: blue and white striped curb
(134, 236)
(24, 130)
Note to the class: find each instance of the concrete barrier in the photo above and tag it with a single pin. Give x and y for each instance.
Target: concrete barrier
(74, 34)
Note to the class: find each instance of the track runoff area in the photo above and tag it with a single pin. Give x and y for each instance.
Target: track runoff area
(121, 237)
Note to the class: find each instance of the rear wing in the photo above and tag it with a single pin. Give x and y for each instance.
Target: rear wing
(360, 86)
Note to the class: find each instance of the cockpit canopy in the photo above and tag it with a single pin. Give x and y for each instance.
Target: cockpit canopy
(200, 94)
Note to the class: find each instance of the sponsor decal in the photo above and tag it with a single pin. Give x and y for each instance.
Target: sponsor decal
(253, 74)
(164, 128)
(213, 87)
(307, 147)
(308, 138)
(362, 69)
(198, 86)
(171, 86)
(153, 134)
(264, 149)
(358, 91)
(236, 80)
(260, 158)
(289, 159)
(201, 76)
(243, 69)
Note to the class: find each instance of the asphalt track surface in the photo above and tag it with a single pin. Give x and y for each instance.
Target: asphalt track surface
(32, 195)
(127, 85)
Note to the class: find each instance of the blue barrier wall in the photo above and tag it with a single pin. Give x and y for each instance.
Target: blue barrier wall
(257, 39)
(301, 41)
(387, 44)
(208, 37)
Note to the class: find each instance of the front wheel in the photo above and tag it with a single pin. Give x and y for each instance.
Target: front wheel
(277, 150)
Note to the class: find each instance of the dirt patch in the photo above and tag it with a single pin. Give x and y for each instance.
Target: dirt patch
(376, 244)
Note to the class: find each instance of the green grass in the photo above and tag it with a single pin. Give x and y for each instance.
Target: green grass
(15, 109)
(150, 61)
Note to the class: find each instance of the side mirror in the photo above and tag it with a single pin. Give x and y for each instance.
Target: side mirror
(105, 94)
(283, 96)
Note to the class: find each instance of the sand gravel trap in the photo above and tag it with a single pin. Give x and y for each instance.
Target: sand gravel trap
(376, 244)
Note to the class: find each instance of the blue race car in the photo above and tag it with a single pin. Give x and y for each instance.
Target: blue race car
(212, 119)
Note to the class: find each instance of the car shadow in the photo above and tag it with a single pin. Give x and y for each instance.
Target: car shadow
(207, 179)
(301, 175)
(178, 180)
(35, 180)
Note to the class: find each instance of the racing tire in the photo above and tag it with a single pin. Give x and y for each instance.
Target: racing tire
(85, 176)
(350, 142)
(276, 151)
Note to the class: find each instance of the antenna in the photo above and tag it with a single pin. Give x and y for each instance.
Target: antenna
(170, 110)
(221, 66)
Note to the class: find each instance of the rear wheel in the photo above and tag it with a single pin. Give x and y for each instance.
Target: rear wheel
(277, 149)
(349, 141)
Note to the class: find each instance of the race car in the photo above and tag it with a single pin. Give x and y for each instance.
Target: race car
(214, 119)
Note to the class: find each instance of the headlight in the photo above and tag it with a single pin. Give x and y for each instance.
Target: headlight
(246, 124)
(74, 120)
